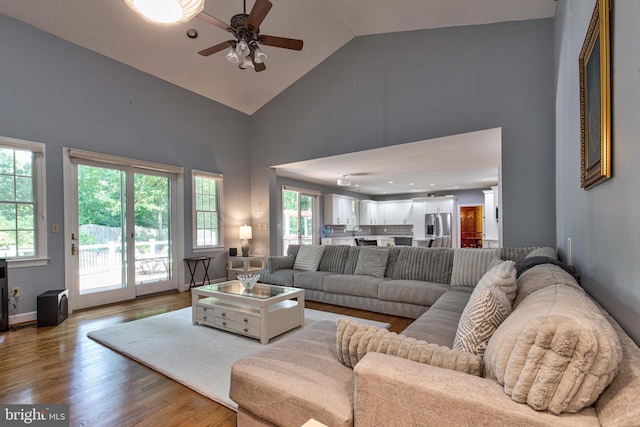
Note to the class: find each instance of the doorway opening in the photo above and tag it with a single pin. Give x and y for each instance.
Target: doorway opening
(471, 226)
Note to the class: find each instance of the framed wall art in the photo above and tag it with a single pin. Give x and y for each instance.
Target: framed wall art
(595, 99)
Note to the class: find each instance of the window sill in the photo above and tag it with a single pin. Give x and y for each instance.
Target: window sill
(31, 262)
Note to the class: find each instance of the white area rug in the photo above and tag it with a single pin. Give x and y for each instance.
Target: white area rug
(197, 356)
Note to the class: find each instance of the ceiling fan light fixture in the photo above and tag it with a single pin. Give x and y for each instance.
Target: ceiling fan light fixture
(232, 56)
(259, 56)
(166, 12)
(246, 63)
(242, 48)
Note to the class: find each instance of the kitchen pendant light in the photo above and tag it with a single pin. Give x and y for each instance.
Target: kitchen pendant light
(166, 12)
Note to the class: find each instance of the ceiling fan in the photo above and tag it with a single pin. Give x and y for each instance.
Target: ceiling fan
(244, 50)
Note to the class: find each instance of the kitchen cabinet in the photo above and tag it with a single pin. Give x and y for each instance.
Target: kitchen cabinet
(443, 204)
(418, 213)
(395, 212)
(368, 212)
(340, 210)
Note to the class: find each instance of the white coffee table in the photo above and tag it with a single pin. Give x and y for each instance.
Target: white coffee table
(263, 312)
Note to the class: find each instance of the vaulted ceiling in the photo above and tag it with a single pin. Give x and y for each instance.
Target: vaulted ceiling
(111, 28)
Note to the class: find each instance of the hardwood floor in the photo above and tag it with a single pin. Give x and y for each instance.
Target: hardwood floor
(103, 388)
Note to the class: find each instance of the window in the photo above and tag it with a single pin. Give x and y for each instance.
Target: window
(22, 202)
(207, 210)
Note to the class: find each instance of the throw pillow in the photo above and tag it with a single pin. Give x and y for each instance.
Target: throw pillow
(469, 265)
(372, 262)
(355, 340)
(556, 352)
(503, 275)
(308, 257)
(487, 308)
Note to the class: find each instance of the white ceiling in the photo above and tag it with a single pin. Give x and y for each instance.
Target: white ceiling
(110, 28)
(470, 160)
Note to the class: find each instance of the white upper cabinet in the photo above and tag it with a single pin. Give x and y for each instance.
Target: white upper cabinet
(395, 212)
(443, 204)
(368, 212)
(340, 210)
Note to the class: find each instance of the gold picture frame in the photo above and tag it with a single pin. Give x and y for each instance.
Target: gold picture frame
(595, 99)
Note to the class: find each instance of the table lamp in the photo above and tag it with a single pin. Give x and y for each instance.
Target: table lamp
(245, 235)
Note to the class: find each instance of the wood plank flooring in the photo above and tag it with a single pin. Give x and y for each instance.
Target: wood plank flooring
(103, 388)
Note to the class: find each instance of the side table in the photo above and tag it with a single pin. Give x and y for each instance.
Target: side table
(192, 264)
(234, 268)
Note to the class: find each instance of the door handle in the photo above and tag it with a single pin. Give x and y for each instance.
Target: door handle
(74, 249)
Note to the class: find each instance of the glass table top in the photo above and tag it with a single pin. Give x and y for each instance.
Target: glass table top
(259, 291)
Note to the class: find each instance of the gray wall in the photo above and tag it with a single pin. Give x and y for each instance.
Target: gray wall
(396, 88)
(601, 222)
(60, 94)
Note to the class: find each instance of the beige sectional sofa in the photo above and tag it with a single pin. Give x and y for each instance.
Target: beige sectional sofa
(556, 360)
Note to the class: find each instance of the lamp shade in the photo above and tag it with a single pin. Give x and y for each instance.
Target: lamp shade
(245, 232)
(166, 11)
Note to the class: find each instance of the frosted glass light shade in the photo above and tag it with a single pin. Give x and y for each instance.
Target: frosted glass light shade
(232, 56)
(166, 11)
(242, 48)
(245, 232)
(247, 63)
(259, 56)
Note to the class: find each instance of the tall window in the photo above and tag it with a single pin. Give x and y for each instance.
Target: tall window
(22, 200)
(207, 210)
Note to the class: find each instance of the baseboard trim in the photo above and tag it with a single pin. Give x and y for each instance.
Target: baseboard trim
(17, 319)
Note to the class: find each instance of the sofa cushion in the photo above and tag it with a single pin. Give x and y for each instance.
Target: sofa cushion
(469, 265)
(487, 308)
(544, 251)
(310, 279)
(334, 258)
(359, 286)
(555, 352)
(354, 340)
(503, 275)
(308, 257)
(529, 262)
(431, 265)
(282, 277)
(411, 291)
(516, 253)
(295, 379)
(439, 324)
(372, 262)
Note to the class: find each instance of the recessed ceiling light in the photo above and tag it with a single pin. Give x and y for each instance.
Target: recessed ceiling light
(390, 182)
(192, 33)
(356, 185)
(456, 186)
(411, 183)
(432, 185)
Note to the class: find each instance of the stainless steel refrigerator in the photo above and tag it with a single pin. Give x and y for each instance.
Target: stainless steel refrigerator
(438, 225)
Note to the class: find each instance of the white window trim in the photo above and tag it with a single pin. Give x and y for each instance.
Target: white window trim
(41, 258)
(194, 228)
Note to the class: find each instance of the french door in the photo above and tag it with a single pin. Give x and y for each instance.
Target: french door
(121, 227)
(299, 218)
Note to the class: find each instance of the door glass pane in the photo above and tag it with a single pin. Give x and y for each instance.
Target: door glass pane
(101, 218)
(289, 219)
(152, 202)
(306, 219)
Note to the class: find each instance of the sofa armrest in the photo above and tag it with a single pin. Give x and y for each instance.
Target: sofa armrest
(393, 391)
(275, 263)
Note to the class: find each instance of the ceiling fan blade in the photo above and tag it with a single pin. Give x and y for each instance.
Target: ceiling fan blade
(215, 49)
(282, 42)
(214, 21)
(258, 13)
